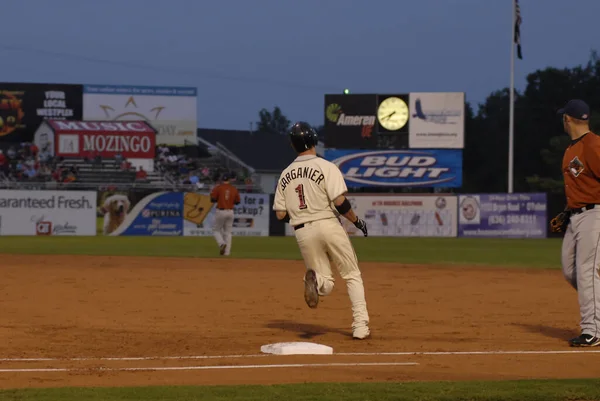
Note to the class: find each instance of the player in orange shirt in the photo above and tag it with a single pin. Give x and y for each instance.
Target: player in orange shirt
(226, 196)
(581, 222)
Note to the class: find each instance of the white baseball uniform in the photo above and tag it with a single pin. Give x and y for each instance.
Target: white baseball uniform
(306, 190)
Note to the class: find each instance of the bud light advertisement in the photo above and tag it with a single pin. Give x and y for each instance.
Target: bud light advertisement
(503, 215)
(399, 168)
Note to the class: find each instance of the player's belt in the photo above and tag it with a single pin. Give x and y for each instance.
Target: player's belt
(585, 208)
(299, 226)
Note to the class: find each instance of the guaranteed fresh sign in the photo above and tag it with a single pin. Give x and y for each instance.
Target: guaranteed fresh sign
(396, 168)
(47, 212)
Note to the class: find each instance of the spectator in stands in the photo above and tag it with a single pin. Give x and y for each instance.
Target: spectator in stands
(30, 172)
(193, 178)
(126, 165)
(119, 158)
(34, 150)
(11, 153)
(205, 172)
(141, 174)
(249, 184)
(3, 162)
(69, 175)
(45, 157)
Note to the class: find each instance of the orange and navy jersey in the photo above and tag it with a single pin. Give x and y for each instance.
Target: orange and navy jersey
(581, 171)
(225, 196)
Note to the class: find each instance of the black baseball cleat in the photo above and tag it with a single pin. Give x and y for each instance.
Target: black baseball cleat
(222, 249)
(311, 293)
(584, 340)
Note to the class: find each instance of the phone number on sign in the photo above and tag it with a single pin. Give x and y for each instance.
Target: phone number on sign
(513, 219)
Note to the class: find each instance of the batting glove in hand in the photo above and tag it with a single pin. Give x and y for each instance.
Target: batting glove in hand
(560, 223)
(361, 225)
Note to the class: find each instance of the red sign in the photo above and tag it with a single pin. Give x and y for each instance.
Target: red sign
(131, 139)
(43, 228)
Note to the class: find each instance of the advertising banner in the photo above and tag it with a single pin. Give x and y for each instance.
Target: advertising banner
(47, 212)
(403, 215)
(350, 121)
(142, 213)
(503, 215)
(170, 110)
(139, 214)
(131, 139)
(437, 120)
(24, 106)
(399, 168)
(251, 216)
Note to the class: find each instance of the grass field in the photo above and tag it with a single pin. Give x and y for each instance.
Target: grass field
(485, 252)
(543, 253)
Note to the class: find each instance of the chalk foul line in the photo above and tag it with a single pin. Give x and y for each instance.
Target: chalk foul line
(164, 368)
(242, 356)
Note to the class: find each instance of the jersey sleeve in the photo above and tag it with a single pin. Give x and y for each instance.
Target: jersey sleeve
(592, 157)
(214, 194)
(335, 185)
(279, 200)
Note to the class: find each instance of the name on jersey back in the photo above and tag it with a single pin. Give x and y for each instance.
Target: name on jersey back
(302, 172)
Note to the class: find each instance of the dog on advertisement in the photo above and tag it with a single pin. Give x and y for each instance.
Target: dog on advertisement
(115, 209)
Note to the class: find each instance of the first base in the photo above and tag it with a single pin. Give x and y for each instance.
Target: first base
(296, 348)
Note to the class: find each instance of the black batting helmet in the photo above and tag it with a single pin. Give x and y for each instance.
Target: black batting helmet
(303, 136)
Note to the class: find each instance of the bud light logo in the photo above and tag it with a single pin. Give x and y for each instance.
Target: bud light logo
(399, 168)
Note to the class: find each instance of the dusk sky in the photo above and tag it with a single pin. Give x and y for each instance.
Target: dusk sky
(246, 55)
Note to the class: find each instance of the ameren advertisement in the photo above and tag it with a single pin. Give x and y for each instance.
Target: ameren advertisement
(403, 215)
(47, 212)
(251, 216)
(171, 111)
(397, 168)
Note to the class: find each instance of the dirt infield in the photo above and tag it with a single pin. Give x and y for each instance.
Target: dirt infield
(112, 321)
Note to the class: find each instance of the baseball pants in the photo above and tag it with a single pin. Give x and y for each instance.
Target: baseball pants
(580, 265)
(325, 241)
(222, 228)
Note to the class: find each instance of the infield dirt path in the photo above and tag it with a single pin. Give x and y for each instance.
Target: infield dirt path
(66, 307)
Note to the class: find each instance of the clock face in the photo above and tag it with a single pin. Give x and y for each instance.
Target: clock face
(393, 113)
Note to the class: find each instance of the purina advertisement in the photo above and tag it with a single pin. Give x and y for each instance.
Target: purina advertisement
(141, 213)
(399, 168)
(251, 216)
(403, 215)
(155, 214)
(503, 215)
(47, 212)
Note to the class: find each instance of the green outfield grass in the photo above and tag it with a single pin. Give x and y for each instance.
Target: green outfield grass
(543, 253)
(534, 390)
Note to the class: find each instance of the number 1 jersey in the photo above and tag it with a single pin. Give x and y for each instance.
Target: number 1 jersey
(307, 188)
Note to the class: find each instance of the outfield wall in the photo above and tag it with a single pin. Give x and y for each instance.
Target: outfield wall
(148, 213)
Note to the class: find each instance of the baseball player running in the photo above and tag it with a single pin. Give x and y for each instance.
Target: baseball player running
(581, 219)
(307, 192)
(225, 196)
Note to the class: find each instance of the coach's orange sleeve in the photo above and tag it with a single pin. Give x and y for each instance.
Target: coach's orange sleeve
(592, 155)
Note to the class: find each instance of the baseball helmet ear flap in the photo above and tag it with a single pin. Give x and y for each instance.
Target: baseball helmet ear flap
(303, 137)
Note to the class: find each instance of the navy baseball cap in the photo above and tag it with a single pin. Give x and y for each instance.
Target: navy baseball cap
(225, 177)
(576, 108)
